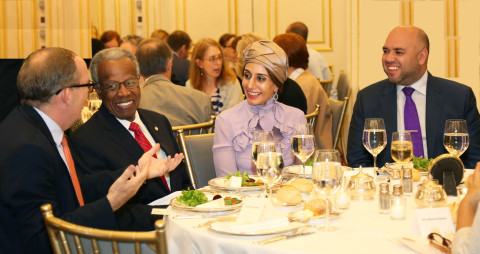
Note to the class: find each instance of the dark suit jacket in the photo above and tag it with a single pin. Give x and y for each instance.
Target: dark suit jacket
(292, 95)
(32, 174)
(445, 100)
(102, 143)
(180, 69)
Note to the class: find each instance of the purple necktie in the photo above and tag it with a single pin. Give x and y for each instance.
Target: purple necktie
(412, 122)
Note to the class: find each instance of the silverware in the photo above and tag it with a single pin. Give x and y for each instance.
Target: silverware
(284, 237)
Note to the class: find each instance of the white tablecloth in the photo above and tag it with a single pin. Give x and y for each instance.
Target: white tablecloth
(362, 230)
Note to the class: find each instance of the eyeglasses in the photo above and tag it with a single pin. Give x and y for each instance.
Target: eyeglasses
(90, 86)
(440, 242)
(113, 86)
(214, 59)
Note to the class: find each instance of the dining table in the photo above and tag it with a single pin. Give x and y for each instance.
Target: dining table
(361, 229)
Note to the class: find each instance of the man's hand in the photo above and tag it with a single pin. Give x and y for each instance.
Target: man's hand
(158, 167)
(126, 185)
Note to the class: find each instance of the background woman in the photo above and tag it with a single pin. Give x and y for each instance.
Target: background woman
(265, 71)
(229, 51)
(297, 52)
(208, 74)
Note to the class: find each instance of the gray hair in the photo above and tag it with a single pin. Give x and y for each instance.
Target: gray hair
(43, 73)
(133, 39)
(110, 54)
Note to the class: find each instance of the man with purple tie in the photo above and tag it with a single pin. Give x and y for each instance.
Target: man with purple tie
(412, 99)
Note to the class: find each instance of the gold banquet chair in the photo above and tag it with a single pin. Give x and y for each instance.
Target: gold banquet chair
(312, 117)
(66, 237)
(199, 158)
(327, 84)
(199, 128)
(338, 109)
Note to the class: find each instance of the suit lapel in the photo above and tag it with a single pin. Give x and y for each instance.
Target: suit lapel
(388, 108)
(119, 134)
(435, 102)
(159, 136)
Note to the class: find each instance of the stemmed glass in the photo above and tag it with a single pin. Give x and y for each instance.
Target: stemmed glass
(270, 165)
(374, 138)
(303, 143)
(259, 137)
(455, 138)
(327, 177)
(402, 147)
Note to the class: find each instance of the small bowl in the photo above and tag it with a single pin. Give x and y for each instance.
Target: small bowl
(361, 187)
(430, 194)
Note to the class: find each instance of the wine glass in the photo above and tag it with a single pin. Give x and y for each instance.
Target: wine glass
(374, 138)
(303, 143)
(270, 164)
(402, 147)
(260, 136)
(455, 138)
(327, 177)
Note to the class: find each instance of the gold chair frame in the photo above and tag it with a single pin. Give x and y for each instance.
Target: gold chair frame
(58, 229)
(312, 117)
(203, 128)
(327, 84)
(338, 126)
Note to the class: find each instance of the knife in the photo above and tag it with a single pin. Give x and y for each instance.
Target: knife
(284, 237)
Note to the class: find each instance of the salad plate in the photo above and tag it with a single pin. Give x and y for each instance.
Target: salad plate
(228, 225)
(222, 183)
(217, 205)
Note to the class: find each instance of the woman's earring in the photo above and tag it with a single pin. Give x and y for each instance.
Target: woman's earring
(275, 96)
(201, 72)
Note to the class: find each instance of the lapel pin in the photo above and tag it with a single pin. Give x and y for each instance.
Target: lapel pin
(156, 128)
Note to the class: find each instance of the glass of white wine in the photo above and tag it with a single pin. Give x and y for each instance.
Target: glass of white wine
(327, 177)
(402, 147)
(260, 136)
(455, 138)
(374, 138)
(303, 143)
(270, 165)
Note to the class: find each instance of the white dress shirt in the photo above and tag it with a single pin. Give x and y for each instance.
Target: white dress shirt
(419, 96)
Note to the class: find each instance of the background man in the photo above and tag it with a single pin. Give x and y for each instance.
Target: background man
(410, 86)
(116, 134)
(36, 164)
(182, 106)
(180, 43)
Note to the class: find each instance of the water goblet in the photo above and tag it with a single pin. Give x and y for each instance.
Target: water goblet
(260, 136)
(270, 165)
(374, 138)
(303, 143)
(455, 138)
(327, 177)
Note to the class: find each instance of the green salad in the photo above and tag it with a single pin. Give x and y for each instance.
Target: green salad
(246, 180)
(421, 163)
(192, 197)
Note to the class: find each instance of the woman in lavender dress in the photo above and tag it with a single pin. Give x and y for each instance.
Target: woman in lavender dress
(265, 70)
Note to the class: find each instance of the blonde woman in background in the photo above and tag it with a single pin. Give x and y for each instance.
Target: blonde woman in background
(209, 75)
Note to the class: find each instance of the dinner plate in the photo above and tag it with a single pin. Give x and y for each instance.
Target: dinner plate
(228, 225)
(211, 206)
(220, 183)
(297, 216)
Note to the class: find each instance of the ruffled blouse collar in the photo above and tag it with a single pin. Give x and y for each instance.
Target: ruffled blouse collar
(267, 116)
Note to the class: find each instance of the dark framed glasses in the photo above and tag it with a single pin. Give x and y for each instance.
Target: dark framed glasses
(90, 86)
(440, 242)
(114, 86)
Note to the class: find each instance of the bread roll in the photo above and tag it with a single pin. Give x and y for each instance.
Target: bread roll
(289, 194)
(317, 206)
(302, 184)
(416, 175)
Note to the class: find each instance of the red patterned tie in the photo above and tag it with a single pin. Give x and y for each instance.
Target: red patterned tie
(144, 143)
(73, 173)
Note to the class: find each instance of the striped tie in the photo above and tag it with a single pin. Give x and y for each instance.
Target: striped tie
(73, 173)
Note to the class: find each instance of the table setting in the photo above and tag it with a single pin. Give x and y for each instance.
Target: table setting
(323, 207)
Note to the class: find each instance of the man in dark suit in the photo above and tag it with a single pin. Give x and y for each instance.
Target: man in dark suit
(180, 43)
(107, 142)
(405, 57)
(36, 166)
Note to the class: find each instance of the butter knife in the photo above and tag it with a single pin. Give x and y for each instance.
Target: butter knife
(284, 237)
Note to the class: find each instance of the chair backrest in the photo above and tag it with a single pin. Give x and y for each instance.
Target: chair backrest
(199, 128)
(198, 157)
(343, 86)
(312, 117)
(66, 237)
(338, 109)
(327, 84)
